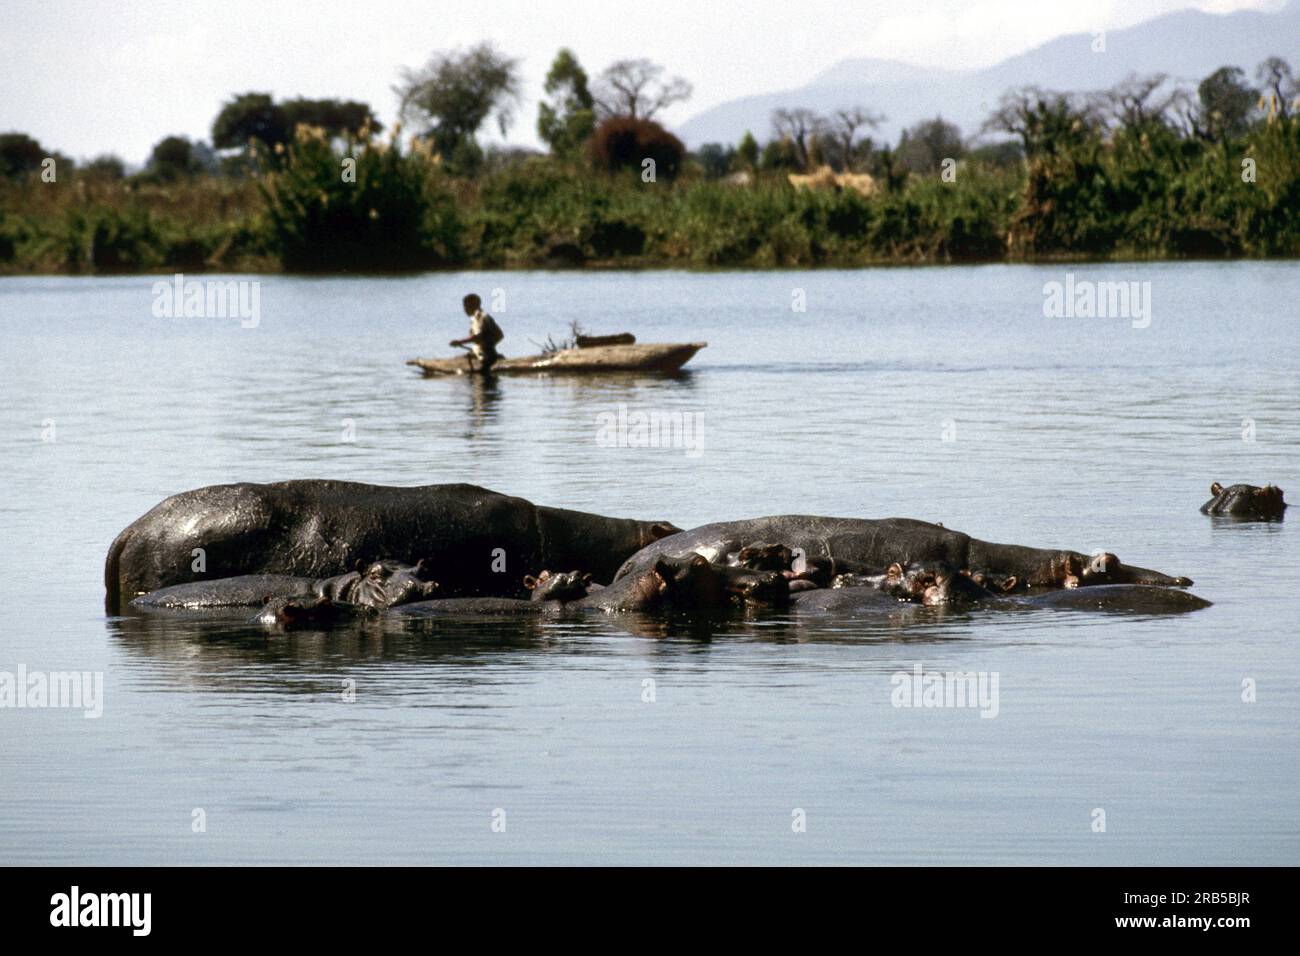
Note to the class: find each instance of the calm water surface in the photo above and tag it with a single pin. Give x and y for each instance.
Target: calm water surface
(1082, 433)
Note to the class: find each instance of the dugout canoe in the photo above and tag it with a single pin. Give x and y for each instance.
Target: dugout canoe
(666, 357)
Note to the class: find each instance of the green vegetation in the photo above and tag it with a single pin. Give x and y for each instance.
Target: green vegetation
(1140, 171)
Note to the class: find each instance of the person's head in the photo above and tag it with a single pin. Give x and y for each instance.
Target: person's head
(472, 303)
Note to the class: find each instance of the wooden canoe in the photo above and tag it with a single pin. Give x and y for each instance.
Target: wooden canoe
(667, 357)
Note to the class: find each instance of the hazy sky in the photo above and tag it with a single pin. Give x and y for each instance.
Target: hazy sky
(92, 76)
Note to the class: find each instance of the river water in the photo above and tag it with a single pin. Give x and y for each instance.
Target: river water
(937, 393)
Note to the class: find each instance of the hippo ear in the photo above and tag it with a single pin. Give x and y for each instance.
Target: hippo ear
(662, 529)
(895, 570)
(1009, 583)
(1216, 489)
(530, 582)
(586, 578)
(424, 569)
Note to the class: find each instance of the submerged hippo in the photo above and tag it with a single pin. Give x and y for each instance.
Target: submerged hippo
(861, 543)
(691, 583)
(560, 586)
(1119, 599)
(286, 613)
(1248, 502)
(381, 584)
(551, 591)
(476, 541)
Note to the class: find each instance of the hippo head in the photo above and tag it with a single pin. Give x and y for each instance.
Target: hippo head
(1069, 569)
(765, 557)
(388, 584)
(932, 583)
(996, 582)
(761, 589)
(689, 581)
(654, 530)
(291, 612)
(1245, 501)
(558, 586)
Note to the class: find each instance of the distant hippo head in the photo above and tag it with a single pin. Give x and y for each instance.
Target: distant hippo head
(690, 581)
(765, 557)
(1069, 569)
(995, 582)
(932, 583)
(382, 584)
(1245, 501)
(291, 612)
(558, 586)
(760, 588)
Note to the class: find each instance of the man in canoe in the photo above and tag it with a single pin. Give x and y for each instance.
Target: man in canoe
(484, 333)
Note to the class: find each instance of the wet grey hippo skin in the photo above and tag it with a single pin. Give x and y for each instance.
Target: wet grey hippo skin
(1116, 598)
(1113, 598)
(877, 543)
(381, 584)
(1248, 502)
(316, 529)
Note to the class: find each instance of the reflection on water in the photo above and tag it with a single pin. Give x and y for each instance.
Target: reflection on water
(933, 393)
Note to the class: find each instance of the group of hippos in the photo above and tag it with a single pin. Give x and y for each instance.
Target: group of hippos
(314, 552)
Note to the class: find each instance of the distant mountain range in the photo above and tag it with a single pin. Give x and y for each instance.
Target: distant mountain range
(1188, 45)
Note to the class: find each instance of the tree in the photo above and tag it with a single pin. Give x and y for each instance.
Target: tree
(173, 158)
(779, 155)
(842, 131)
(106, 167)
(747, 151)
(1043, 120)
(924, 147)
(20, 155)
(1278, 86)
(1226, 103)
(338, 118)
(622, 142)
(566, 122)
(715, 159)
(799, 126)
(250, 116)
(635, 89)
(1137, 101)
(453, 95)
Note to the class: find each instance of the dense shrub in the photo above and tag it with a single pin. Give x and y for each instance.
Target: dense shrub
(389, 213)
(622, 142)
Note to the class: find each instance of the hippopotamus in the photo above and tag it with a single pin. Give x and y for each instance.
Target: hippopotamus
(476, 541)
(1248, 502)
(1118, 598)
(877, 543)
(381, 584)
(1113, 598)
(689, 582)
(550, 591)
(932, 583)
(560, 586)
(286, 613)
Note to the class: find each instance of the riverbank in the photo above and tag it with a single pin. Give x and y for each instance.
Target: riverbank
(1111, 199)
